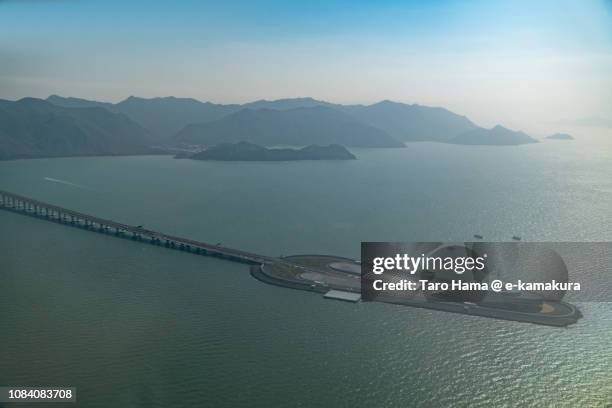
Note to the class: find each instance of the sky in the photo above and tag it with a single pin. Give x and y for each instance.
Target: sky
(517, 63)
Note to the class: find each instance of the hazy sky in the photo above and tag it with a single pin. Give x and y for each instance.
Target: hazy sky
(516, 63)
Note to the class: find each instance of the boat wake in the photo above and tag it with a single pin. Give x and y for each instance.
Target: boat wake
(67, 183)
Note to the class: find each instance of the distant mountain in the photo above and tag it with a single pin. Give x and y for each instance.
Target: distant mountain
(163, 117)
(295, 127)
(401, 121)
(412, 122)
(560, 136)
(289, 103)
(244, 151)
(166, 116)
(36, 128)
(498, 136)
(78, 102)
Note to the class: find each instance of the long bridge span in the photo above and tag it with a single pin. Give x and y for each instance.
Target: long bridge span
(39, 209)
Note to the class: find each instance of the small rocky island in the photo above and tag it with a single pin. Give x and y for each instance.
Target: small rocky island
(497, 136)
(560, 136)
(245, 151)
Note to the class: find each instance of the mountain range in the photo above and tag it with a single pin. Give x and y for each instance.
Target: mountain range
(36, 128)
(296, 127)
(60, 126)
(162, 117)
(165, 117)
(411, 123)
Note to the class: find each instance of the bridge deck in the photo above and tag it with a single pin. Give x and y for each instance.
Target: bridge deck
(36, 205)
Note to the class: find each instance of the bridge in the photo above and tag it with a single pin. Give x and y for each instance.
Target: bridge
(39, 209)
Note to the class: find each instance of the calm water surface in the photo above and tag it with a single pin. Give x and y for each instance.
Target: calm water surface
(134, 325)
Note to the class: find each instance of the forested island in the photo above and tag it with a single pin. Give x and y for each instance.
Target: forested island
(560, 136)
(245, 151)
